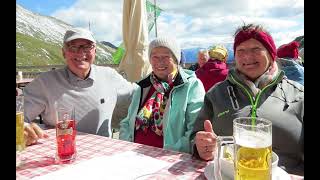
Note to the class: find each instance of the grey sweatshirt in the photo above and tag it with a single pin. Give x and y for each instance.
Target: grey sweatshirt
(104, 94)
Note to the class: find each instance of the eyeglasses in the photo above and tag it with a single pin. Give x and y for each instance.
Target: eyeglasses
(85, 48)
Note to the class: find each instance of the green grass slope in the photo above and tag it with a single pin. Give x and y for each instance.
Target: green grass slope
(31, 51)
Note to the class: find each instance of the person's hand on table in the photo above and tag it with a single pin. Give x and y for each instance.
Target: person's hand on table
(32, 132)
(206, 142)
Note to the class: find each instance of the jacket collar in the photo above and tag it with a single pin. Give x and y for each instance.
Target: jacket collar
(214, 64)
(235, 75)
(180, 79)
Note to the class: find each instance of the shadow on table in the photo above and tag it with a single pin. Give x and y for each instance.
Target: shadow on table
(81, 133)
(182, 162)
(37, 162)
(184, 166)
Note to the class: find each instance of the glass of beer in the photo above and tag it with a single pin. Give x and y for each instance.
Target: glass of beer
(20, 141)
(252, 140)
(65, 135)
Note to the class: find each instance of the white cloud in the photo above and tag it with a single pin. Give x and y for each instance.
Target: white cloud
(105, 18)
(286, 37)
(202, 8)
(194, 23)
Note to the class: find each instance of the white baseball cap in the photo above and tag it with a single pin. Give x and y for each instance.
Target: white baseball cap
(78, 33)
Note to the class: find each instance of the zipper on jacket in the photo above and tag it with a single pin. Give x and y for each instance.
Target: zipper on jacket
(164, 123)
(233, 98)
(254, 101)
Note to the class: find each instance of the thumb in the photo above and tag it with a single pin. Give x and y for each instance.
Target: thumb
(207, 126)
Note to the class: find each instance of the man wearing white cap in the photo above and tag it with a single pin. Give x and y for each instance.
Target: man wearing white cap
(96, 93)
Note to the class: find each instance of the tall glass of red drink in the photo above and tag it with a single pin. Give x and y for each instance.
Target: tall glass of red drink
(66, 134)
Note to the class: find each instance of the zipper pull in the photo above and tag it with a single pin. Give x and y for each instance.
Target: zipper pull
(285, 106)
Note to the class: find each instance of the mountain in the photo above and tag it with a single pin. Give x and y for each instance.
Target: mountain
(109, 44)
(39, 40)
(192, 53)
(300, 39)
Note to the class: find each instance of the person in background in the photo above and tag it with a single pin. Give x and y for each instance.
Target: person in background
(166, 104)
(290, 51)
(215, 70)
(97, 93)
(290, 62)
(255, 88)
(203, 57)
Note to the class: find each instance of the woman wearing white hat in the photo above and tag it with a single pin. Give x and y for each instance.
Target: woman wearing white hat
(166, 104)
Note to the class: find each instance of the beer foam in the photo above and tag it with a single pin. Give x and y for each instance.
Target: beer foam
(253, 139)
(18, 112)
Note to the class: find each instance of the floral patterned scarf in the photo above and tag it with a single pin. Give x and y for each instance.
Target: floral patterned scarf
(151, 114)
(263, 80)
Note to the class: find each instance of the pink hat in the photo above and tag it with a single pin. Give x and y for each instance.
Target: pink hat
(289, 50)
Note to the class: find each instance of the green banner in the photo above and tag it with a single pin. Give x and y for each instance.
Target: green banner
(152, 11)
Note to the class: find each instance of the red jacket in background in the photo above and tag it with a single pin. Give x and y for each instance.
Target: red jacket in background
(212, 72)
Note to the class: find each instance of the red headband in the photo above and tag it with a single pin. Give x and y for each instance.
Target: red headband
(260, 36)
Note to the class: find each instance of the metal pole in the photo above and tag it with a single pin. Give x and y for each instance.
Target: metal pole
(155, 17)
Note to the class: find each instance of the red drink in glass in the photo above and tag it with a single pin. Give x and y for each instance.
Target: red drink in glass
(66, 144)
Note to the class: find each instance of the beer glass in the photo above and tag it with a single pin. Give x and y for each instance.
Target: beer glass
(252, 141)
(20, 141)
(19, 76)
(65, 134)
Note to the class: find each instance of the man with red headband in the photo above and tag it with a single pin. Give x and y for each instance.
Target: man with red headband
(255, 88)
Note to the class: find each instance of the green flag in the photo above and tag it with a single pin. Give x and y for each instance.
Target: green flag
(117, 56)
(152, 11)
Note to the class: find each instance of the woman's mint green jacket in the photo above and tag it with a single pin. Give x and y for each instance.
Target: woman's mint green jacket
(184, 103)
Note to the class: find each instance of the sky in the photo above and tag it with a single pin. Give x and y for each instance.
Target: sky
(194, 23)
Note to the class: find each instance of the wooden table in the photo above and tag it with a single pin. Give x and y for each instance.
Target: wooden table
(23, 82)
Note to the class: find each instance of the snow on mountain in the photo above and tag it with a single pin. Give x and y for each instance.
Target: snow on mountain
(49, 31)
(44, 27)
(109, 44)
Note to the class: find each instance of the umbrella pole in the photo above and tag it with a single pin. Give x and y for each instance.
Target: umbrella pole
(155, 17)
